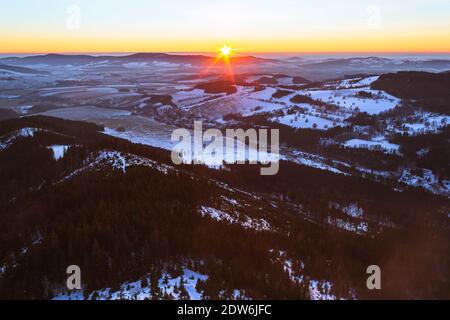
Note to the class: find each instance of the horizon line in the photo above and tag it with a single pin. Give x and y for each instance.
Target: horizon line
(213, 52)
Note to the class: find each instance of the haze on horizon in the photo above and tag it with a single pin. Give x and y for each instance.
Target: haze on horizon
(39, 26)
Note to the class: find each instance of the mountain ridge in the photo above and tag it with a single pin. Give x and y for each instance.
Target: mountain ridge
(57, 59)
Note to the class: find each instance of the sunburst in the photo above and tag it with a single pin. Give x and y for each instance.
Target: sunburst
(225, 51)
(225, 54)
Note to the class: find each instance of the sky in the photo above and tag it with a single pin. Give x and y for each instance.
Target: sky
(43, 26)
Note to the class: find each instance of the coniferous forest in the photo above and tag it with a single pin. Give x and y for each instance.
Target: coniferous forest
(136, 216)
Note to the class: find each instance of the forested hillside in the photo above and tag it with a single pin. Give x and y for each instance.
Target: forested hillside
(123, 212)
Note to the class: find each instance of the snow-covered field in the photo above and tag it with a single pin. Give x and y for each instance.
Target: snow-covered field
(215, 158)
(349, 99)
(357, 82)
(349, 96)
(375, 144)
(191, 98)
(423, 123)
(161, 140)
(306, 121)
(86, 113)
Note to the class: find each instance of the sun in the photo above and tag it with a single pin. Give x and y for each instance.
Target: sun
(225, 51)
(224, 60)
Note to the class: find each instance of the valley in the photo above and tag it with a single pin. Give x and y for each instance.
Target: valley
(86, 178)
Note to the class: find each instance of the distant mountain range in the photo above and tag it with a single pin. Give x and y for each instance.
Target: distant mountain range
(64, 59)
(378, 62)
(316, 70)
(16, 69)
(320, 69)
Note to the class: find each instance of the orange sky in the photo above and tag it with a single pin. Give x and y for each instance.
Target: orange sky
(54, 43)
(254, 26)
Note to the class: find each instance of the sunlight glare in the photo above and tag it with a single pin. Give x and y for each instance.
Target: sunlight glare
(225, 51)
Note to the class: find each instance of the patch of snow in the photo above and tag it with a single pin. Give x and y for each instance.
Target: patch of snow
(7, 140)
(245, 221)
(216, 214)
(233, 202)
(423, 152)
(310, 160)
(73, 295)
(118, 161)
(321, 290)
(7, 96)
(135, 65)
(427, 180)
(357, 83)
(239, 295)
(425, 123)
(190, 277)
(137, 290)
(24, 109)
(2, 270)
(170, 64)
(59, 151)
(359, 228)
(352, 210)
(285, 80)
(250, 79)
